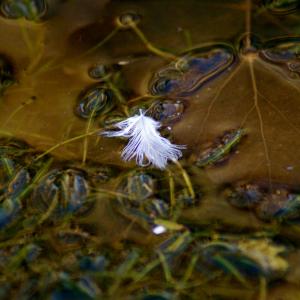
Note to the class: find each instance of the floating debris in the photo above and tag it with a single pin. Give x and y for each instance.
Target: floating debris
(145, 144)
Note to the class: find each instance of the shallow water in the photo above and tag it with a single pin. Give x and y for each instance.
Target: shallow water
(222, 77)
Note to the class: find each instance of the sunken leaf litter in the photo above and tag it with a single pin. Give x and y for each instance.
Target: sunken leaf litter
(202, 98)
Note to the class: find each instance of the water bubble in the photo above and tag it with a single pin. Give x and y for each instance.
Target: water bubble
(95, 101)
(159, 229)
(166, 111)
(137, 186)
(138, 199)
(68, 187)
(191, 71)
(28, 9)
(9, 208)
(101, 71)
(97, 71)
(127, 19)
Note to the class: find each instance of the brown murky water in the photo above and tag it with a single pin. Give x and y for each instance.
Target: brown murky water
(223, 79)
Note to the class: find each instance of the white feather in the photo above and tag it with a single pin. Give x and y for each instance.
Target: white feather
(145, 142)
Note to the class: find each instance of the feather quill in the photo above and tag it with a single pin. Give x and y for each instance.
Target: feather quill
(145, 144)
